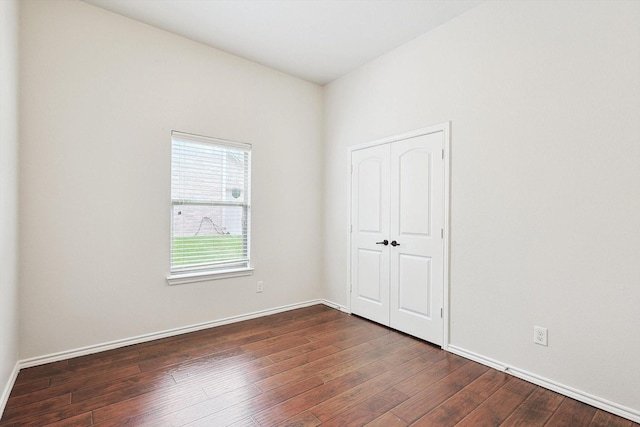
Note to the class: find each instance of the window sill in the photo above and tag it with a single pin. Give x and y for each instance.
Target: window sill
(181, 279)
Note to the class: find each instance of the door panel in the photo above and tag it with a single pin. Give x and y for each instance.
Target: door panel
(370, 224)
(414, 300)
(369, 193)
(369, 266)
(415, 192)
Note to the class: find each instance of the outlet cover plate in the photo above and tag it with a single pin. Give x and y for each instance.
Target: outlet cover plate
(540, 335)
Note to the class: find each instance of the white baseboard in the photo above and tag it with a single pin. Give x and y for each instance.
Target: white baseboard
(598, 402)
(68, 354)
(335, 305)
(7, 389)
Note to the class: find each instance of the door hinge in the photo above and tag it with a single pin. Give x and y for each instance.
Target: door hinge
(442, 233)
(352, 168)
(441, 312)
(443, 154)
(350, 228)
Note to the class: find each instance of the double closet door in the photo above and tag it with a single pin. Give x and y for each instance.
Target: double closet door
(397, 234)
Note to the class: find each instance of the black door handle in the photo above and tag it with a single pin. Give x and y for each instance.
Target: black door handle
(384, 242)
(394, 243)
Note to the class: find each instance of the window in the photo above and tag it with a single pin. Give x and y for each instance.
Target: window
(210, 208)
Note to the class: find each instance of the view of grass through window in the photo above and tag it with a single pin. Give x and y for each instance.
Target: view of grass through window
(206, 249)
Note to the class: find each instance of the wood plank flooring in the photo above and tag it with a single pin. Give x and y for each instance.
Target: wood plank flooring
(307, 367)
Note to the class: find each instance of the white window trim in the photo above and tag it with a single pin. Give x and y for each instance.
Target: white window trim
(181, 279)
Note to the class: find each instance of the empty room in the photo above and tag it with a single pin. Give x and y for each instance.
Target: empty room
(319, 212)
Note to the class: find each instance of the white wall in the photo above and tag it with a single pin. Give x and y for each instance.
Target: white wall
(8, 194)
(544, 100)
(100, 96)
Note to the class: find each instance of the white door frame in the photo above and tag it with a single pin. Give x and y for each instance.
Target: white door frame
(446, 129)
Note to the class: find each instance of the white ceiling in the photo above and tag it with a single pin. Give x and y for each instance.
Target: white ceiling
(316, 40)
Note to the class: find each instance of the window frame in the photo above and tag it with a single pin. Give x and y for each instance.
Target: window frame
(210, 272)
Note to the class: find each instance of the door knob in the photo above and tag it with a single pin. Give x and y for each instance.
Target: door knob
(394, 243)
(384, 242)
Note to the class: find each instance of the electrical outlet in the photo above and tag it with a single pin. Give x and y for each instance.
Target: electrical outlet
(540, 335)
(260, 286)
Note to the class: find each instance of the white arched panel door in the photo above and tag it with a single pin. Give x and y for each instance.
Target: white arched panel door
(397, 245)
(370, 227)
(417, 218)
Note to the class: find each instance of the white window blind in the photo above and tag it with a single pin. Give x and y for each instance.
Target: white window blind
(210, 198)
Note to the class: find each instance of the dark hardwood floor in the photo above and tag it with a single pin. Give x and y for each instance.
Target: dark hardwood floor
(307, 367)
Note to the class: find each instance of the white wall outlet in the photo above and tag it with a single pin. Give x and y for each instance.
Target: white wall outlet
(260, 286)
(540, 335)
